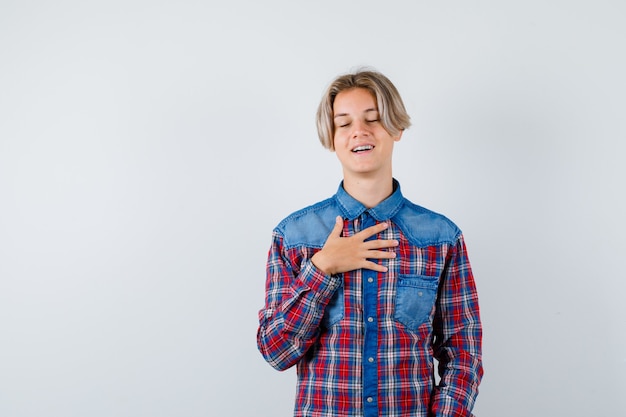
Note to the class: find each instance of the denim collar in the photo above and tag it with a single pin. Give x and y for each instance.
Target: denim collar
(385, 210)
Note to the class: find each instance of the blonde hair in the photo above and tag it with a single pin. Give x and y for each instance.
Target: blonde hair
(392, 113)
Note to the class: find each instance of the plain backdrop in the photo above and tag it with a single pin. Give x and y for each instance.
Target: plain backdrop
(148, 148)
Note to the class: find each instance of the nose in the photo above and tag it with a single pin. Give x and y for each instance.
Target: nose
(359, 128)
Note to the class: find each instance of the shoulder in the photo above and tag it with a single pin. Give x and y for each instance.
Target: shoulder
(309, 226)
(424, 227)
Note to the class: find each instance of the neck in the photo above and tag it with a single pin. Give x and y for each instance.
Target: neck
(369, 191)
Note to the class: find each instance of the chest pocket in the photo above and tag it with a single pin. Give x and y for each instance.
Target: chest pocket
(335, 309)
(415, 299)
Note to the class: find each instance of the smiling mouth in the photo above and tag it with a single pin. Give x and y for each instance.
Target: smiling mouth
(362, 148)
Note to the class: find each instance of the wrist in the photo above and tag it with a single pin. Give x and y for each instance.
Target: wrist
(319, 262)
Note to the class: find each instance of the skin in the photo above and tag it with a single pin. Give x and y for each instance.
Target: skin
(367, 177)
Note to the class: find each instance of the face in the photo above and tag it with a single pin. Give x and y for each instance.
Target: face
(363, 146)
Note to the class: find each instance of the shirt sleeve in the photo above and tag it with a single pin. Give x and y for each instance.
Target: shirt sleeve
(457, 341)
(296, 294)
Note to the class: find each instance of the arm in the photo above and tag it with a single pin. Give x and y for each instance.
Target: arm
(457, 338)
(294, 306)
(299, 286)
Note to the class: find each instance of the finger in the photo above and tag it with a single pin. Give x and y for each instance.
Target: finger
(372, 230)
(337, 228)
(375, 267)
(380, 254)
(380, 244)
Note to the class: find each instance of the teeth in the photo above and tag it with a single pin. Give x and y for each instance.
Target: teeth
(363, 148)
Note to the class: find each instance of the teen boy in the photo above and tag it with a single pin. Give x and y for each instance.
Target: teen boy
(365, 288)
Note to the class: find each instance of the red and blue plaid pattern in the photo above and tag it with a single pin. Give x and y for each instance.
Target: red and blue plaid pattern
(364, 342)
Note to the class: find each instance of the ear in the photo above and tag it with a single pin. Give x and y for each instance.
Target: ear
(398, 136)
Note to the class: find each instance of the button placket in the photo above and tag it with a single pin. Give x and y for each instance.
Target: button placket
(370, 344)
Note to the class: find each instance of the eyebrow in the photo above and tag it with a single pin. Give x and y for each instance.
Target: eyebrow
(346, 114)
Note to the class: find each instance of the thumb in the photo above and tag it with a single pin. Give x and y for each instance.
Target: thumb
(338, 228)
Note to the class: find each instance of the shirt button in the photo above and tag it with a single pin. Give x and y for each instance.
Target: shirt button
(420, 293)
(370, 319)
(370, 280)
(370, 399)
(370, 360)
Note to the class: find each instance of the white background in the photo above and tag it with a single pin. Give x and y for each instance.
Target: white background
(148, 148)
